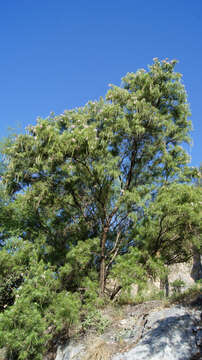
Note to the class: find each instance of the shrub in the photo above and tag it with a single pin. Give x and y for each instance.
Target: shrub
(177, 285)
(95, 321)
(38, 306)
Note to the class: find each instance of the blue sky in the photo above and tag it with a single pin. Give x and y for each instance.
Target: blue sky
(58, 54)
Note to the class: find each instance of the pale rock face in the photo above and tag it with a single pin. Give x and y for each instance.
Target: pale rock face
(150, 333)
(168, 335)
(134, 290)
(187, 272)
(183, 272)
(70, 352)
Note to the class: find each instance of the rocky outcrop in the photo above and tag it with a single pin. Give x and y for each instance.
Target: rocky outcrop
(147, 331)
(167, 334)
(187, 272)
(196, 272)
(71, 351)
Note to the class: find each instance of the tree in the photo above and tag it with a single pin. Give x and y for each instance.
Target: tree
(84, 180)
(99, 192)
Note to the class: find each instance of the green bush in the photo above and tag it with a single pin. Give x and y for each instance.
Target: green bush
(177, 285)
(38, 306)
(187, 295)
(95, 321)
(22, 331)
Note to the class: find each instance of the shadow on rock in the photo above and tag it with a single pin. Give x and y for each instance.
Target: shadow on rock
(168, 334)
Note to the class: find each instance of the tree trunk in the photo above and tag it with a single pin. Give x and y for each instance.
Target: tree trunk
(115, 292)
(102, 276)
(102, 262)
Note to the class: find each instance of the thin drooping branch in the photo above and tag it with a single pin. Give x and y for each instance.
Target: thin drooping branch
(114, 251)
(92, 175)
(120, 221)
(132, 164)
(162, 231)
(78, 204)
(116, 243)
(158, 240)
(176, 259)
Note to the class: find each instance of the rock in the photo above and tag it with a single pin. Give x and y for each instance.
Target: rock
(167, 334)
(147, 332)
(3, 354)
(70, 352)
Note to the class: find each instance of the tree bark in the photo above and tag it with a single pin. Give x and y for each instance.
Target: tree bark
(102, 262)
(115, 292)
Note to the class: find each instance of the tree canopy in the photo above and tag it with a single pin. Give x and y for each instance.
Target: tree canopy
(101, 191)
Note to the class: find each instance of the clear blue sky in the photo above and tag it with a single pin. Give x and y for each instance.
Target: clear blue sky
(58, 54)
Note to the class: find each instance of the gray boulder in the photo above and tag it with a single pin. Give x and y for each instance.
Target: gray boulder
(148, 332)
(168, 335)
(70, 352)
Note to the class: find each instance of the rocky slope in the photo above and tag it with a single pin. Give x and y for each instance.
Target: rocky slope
(167, 334)
(147, 331)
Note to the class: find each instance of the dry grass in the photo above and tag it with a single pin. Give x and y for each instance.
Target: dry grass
(99, 350)
(113, 313)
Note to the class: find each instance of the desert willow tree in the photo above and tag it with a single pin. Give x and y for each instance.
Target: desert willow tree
(85, 177)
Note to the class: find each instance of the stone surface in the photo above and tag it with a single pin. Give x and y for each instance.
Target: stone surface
(188, 272)
(147, 332)
(167, 334)
(70, 352)
(182, 272)
(3, 354)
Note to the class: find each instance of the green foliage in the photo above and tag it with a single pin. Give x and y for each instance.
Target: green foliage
(186, 296)
(172, 223)
(95, 321)
(64, 310)
(38, 304)
(129, 268)
(14, 263)
(125, 298)
(22, 330)
(99, 192)
(177, 285)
